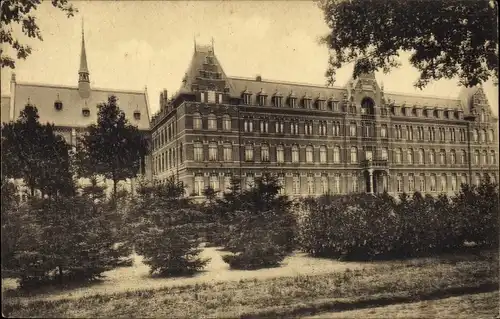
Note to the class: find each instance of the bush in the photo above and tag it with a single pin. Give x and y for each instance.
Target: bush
(66, 239)
(166, 231)
(261, 224)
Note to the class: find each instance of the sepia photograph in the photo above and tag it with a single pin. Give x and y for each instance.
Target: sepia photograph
(250, 159)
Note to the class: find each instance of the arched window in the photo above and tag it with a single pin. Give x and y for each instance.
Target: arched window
(354, 155)
(398, 156)
(322, 154)
(421, 156)
(226, 122)
(367, 106)
(474, 135)
(476, 157)
(482, 136)
(491, 136)
(485, 157)
(248, 152)
(454, 183)
(309, 154)
(212, 151)
(463, 157)
(264, 153)
(295, 154)
(443, 183)
(212, 122)
(410, 156)
(197, 121)
(453, 157)
(432, 157)
(492, 157)
(442, 157)
(280, 154)
(336, 154)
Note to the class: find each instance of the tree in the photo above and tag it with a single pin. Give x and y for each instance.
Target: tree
(36, 154)
(19, 13)
(446, 38)
(112, 147)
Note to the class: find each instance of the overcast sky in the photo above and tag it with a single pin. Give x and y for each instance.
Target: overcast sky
(133, 44)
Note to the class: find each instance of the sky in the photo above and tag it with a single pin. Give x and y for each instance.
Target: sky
(133, 45)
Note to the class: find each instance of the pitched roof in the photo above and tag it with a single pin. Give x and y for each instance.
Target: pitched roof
(43, 97)
(284, 88)
(422, 100)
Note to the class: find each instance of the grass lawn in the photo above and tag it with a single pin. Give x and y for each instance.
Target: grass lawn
(303, 286)
(477, 306)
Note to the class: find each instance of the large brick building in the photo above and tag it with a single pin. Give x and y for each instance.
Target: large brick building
(355, 138)
(72, 108)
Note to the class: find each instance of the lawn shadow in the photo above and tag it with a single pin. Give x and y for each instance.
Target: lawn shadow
(51, 288)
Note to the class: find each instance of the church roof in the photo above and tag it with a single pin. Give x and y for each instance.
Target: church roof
(43, 96)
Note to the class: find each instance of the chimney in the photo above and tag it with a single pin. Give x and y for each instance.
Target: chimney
(258, 78)
(165, 97)
(161, 101)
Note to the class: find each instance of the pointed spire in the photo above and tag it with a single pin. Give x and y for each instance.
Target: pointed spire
(83, 72)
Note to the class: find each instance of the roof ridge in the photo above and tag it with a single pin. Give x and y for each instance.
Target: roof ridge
(422, 96)
(285, 82)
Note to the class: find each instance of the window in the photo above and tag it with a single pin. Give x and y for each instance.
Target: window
(247, 98)
(308, 128)
(383, 131)
(410, 156)
(336, 184)
(477, 180)
(226, 122)
(463, 179)
(294, 127)
(296, 184)
(279, 126)
(336, 154)
(491, 136)
(264, 153)
(474, 135)
(280, 154)
(384, 154)
(354, 155)
(212, 151)
(322, 154)
(248, 125)
(493, 179)
(352, 129)
(422, 183)
(454, 185)
(264, 126)
(409, 133)
(198, 152)
(250, 181)
(463, 157)
(384, 183)
(432, 157)
(262, 99)
(442, 157)
(492, 157)
(214, 182)
(324, 184)
(212, 122)
(452, 135)
(281, 184)
(306, 103)
(399, 180)
(442, 134)
(336, 129)
(322, 128)
(354, 183)
(411, 183)
(483, 116)
(476, 157)
(399, 132)
(453, 157)
(420, 132)
(310, 185)
(462, 135)
(197, 122)
(295, 154)
(398, 156)
(228, 152)
(248, 152)
(421, 157)
(433, 183)
(293, 101)
(278, 101)
(482, 136)
(485, 157)
(443, 183)
(309, 154)
(199, 185)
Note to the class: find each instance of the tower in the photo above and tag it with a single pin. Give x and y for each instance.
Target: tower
(83, 72)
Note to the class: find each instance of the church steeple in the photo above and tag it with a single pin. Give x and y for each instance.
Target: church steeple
(83, 72)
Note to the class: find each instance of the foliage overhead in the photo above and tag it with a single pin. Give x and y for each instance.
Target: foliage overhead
(449, 38)
(36, 154)
(20, 14)
(112, 147)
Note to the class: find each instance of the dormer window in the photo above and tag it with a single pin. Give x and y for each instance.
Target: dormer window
(332, 105)
(86, 112)
(320, 104)
(306, 103)
(246, 98)
(262, 97)
(137, 115)
(435, 113)
(58, 105)
(293, 101)
(414, 112)
(278, 101)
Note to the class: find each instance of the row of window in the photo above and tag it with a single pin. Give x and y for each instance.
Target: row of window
(213, 155)
(367, 129)
(164, 136)
(167, 160)
(414, 183)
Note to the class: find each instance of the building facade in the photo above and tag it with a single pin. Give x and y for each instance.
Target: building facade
(316, 140)
(73, 108)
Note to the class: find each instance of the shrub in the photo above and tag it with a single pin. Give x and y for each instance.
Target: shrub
(166, 231)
